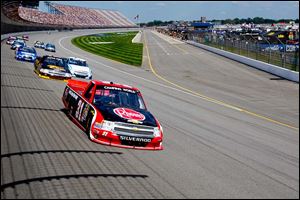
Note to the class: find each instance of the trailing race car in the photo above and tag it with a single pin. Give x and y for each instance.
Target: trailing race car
(39, 44)
(10, 40)
(26, 53)
(52, 67)
(79, 68)
(17, 44)
(25, 37)
(112, 114)
(12, 37)
(50, 47)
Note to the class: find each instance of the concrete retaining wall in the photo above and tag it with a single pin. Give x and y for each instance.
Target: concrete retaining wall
(273, 69)
(4, 36)
(137, 38)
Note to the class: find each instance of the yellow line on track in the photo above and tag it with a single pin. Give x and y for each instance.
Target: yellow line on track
(211, 99)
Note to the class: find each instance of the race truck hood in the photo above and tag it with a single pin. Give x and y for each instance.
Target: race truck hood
(26, 53)
(77, 68)
(57, 68)
(128, 115)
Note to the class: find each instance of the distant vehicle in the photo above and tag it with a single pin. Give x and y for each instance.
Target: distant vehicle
(25, 37)
(39, 44)
(17, 44)
(50, 47)
(26, 53)
(9, 41)
(112, 114)
(51, 67)
(79, 68)
(12, 37)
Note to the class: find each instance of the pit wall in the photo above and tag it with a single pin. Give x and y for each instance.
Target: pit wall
(273, 69)
(137, 38)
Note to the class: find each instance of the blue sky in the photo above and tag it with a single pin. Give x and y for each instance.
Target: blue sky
(193, 10)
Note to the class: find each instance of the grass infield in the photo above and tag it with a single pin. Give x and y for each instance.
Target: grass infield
(115, 46)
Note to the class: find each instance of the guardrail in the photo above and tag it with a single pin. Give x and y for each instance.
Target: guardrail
(273, 69)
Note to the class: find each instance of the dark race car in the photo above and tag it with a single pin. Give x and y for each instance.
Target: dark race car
(12, 37)
(10, 40)
(51, 67)
(39, 44)
(25, 37)
(26, 53)
(112, 114)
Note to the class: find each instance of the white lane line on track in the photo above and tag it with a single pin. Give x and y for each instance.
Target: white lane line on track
(163, 48)
(179, 90)
(172, 41)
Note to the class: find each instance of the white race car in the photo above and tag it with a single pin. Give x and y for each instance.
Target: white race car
(79, 68)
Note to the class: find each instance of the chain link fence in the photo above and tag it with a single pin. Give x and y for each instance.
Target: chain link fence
(286, 56)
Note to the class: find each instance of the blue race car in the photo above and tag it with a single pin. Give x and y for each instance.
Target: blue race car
(17, 44)
(26, 53)
(50, 47)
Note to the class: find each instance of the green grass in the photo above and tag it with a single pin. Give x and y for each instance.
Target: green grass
(121, 50)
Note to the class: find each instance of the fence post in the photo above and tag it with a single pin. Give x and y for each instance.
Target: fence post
(284, 56)
(282, 62)
(247, 46)
(256, 50)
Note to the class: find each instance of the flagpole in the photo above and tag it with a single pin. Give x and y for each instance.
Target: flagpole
(139, 22)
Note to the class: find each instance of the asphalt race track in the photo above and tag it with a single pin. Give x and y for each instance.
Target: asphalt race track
(230, 131)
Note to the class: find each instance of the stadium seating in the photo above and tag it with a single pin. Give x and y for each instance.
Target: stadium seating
(76, 17)
(68, 16)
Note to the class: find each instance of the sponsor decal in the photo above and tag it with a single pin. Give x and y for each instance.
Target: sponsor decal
(119, 89)
(135, 139)
(111, 88)
(128, 90)
(55, 67)
(134, 121)
(85, 112)
(73, 94)
(127, 113)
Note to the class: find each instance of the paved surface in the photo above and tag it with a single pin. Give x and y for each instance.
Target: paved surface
(230, 131)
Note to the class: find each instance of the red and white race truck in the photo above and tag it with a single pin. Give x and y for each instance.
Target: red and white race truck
(112, 114)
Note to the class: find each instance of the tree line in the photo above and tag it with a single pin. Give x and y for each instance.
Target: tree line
(255, 20)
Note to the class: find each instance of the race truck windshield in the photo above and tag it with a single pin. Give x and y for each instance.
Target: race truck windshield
(119, 97)
(28, 50)
(78, 62)
(54, 61)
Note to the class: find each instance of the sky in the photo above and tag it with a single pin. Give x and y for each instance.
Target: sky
(193, 10)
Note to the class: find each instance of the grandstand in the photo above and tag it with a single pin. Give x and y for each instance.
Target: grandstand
(18, 14)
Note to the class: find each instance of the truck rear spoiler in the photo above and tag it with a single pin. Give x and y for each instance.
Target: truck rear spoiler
(78, 86)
